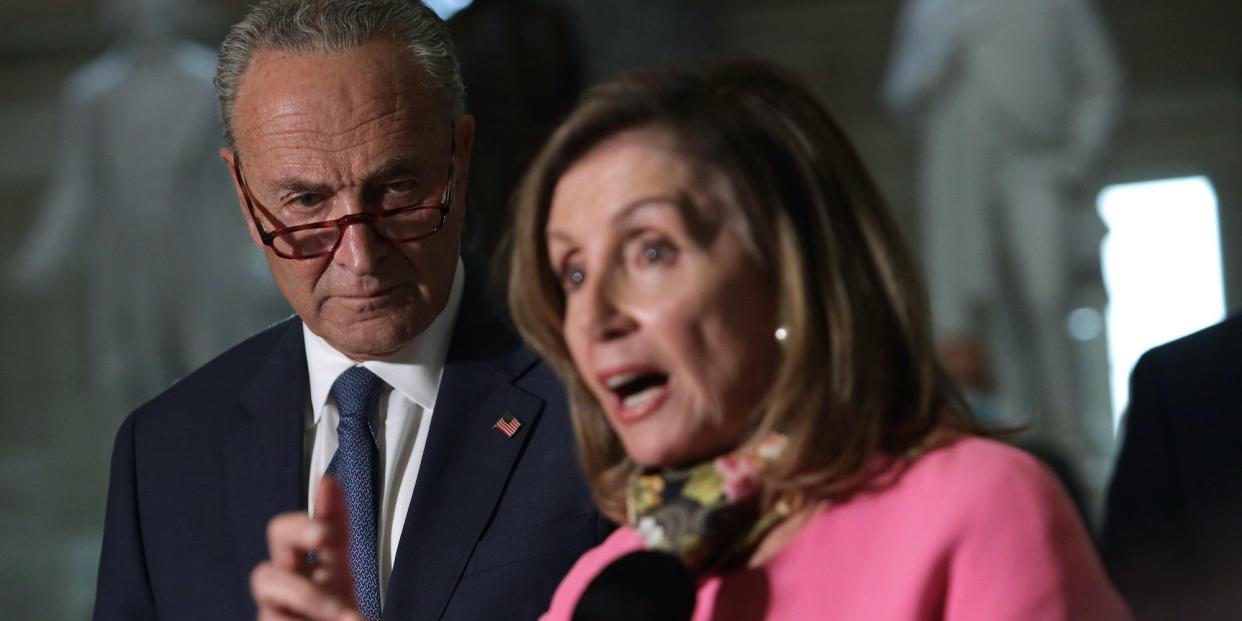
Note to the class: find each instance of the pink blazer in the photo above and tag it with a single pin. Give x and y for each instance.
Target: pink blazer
(974, 530)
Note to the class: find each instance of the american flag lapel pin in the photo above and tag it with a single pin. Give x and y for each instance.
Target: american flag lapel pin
(507, 424)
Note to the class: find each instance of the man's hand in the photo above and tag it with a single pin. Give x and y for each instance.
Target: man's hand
(291, 586)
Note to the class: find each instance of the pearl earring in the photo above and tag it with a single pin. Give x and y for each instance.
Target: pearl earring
(782, 333)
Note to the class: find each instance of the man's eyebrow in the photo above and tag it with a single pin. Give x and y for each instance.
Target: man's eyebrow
(294, 185)
(401, 164)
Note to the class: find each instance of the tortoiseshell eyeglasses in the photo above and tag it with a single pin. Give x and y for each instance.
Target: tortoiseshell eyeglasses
(316, 239)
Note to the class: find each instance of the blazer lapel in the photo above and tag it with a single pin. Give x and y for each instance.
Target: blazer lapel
(263, 455)
(466, 463)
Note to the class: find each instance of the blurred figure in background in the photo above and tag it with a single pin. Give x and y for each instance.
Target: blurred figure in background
(139, 201)
(520, 59)
(1171, 540)
(1014, 102)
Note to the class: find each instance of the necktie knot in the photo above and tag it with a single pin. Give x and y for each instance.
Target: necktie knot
(355, 391)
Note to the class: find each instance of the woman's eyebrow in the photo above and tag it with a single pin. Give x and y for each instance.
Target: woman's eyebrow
(617, 219)
(677, 201)
(698, 224)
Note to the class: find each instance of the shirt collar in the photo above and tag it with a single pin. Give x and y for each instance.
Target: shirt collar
(414, 371)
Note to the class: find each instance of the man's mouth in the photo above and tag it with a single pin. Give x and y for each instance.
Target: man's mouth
(368, 294)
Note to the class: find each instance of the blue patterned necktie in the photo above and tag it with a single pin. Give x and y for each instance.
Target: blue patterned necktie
(355, 465)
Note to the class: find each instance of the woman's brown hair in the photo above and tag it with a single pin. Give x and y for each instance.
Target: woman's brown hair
(858, 378)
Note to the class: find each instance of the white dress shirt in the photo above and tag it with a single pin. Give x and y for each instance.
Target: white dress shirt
(401, 421)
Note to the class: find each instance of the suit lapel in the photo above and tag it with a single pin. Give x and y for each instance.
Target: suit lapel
(263, 455)
(466, 463)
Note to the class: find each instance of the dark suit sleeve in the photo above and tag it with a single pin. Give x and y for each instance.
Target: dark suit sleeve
(123, 591)
(1145, 500)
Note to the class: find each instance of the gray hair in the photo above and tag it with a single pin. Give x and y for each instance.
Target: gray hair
(338, 25)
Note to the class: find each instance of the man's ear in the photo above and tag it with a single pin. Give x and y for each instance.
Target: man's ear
(230, 159)
(464, 143)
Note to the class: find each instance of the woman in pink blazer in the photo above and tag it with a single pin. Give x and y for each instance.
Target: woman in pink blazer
(703, 257)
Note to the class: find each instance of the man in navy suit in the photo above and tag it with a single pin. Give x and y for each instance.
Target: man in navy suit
(1171, 538)
(349, 150)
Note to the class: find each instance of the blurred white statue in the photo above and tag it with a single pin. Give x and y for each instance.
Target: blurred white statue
(140, 199)
(1014, 102)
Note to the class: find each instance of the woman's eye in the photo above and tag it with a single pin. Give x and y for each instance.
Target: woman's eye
(655, 251)
(572, 278)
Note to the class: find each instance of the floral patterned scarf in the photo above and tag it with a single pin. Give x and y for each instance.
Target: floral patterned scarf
(707, 514)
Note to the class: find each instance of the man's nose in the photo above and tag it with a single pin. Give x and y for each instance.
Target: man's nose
(361, 247)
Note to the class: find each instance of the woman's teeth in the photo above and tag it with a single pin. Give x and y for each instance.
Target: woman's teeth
(635, 389)
(618, 381)
(641, 397)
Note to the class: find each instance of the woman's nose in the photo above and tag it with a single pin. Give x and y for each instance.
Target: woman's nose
(606, 317)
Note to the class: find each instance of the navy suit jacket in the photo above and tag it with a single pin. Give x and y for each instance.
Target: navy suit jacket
(1172, 537)
(197, 473)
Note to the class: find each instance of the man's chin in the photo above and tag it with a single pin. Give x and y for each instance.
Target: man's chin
(374, 336)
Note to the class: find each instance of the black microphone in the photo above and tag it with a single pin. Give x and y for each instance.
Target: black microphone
(655, 586)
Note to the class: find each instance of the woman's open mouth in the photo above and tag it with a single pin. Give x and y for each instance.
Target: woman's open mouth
(637, 392)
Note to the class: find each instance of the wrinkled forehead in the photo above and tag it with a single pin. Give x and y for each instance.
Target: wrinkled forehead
(334, 100)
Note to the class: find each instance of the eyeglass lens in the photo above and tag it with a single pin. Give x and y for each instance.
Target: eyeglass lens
(404, 225)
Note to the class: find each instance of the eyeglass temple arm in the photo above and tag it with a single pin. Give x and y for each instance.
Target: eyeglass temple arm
(245, 188)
